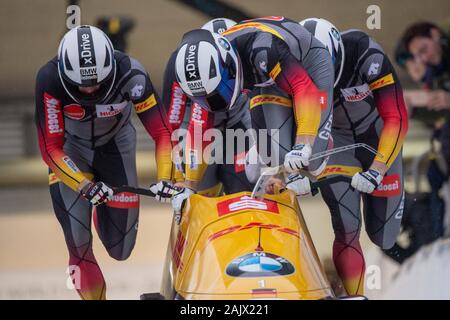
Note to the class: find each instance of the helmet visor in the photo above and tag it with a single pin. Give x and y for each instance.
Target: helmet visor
(89, 98)
(224, 96)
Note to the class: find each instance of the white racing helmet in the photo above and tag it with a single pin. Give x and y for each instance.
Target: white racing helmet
(209, 70)
(218, 25)
(330, 36)
(86, 59)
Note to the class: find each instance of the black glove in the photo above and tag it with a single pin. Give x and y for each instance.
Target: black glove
(97, 193)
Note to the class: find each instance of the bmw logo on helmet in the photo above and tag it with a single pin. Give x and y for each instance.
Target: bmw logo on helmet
(336, 34)
(224, 44)
(259, 264)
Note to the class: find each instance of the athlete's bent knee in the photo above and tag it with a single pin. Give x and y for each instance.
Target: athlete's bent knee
(384, 242)
(121, 251)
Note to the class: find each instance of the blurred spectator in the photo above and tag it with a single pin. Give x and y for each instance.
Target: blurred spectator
(429, 45)
(117, 29)
(422, 74)
(417, 70)
(424, 53)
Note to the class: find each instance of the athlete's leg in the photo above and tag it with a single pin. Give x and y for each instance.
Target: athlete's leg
(74, 215)
(117, 220)
(237, 142)
(383, 209)
(210, 185)
(344, 204)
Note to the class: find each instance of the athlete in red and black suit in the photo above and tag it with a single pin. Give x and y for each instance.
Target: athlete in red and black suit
(270, 56)
(84, 100)
(368, 108)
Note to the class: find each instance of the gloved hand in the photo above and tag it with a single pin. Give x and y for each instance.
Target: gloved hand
(179, 199)
(367, 181)
(299, 184)
(97, 193)
(298, 157)
(164, 191)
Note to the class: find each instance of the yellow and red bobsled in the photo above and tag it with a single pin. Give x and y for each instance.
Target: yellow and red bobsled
(239, 247)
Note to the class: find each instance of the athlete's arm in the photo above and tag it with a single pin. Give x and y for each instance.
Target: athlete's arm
(50, 128)
(175, 102)
(289, 74)
(151, 113)
(379, 73)
(200, 121)
(173, 98)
